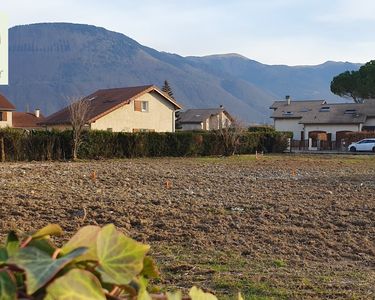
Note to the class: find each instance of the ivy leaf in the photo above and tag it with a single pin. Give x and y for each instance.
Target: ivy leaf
(3, 255)
(174, 296)
(39, 266)
(143, 294)
(150, 270)
(198, 294)
(8, 287)
(12, 243)
(44, 245)
(120, 258)
(76, 284)
(85, 237)
(50, 229)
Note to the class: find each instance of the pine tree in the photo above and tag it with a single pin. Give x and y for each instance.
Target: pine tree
(167, 89)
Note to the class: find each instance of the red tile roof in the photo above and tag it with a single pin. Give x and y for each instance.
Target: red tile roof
(26, 120)
(5, 104)
(105, 101)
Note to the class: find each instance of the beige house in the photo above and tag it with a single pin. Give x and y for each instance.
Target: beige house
(131, 109)
(6, 110)
(19, 120)
(205, 119)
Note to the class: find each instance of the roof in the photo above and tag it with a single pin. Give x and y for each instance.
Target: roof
(5, 104)
(200, 115)
(104, 101)
(320, 112)
(350, 113)
(26, 120)
(294, 110)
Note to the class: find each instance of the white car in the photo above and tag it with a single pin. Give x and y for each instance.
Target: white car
(363, 145)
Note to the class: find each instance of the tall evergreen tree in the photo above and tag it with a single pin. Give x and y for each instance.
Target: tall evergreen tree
(167, 89)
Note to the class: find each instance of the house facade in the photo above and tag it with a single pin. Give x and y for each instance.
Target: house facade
(6, 112)
(9, 118)
(205, 119)
(131, 109)
(319, 120)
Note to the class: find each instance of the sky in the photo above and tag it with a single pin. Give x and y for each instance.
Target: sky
(292, 32)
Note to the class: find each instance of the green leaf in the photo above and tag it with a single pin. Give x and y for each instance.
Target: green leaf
(143, 294)
(76, 284)
(120, 258)
(44, 245)
(174, 296)
(198, 294)
(8, 288)
(3, 255)
(150, 270)
(50, 229)
(12, 243)
(39, 266)
(85, 237)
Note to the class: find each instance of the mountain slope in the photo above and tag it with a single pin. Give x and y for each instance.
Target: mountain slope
(52, 61)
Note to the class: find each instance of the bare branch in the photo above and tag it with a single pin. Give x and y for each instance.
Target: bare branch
(79, 109)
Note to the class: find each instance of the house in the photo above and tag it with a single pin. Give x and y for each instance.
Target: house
(27, 120)
(205, 119)
(6, 110)
(130, 109)
(319, 120)
(19, 120)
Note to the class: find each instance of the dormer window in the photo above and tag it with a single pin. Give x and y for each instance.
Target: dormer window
(350, 111)
(288, 113)
(325, 108)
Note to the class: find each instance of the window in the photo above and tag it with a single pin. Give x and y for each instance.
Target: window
(288, 113)
(3, 116)
(350, 111)
(324, 108)
(141, 106)
(144, 106)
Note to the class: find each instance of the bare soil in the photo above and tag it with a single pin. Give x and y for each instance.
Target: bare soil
(279, 227)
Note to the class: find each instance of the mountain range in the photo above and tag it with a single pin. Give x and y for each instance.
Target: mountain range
(51, 62)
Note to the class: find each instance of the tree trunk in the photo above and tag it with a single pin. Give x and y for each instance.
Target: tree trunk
(2, 149)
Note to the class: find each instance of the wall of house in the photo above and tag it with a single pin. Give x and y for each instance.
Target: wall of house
(331, 128)
(370, 122)
(289, 125)
(159, 117)
(8, 122)
(58, 127)
(192, 126)
(218, 121)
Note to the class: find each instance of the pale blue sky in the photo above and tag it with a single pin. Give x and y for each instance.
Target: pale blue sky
(293, 32)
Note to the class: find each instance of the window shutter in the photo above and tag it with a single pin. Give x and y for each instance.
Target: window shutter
(5, 116)
(137, 105)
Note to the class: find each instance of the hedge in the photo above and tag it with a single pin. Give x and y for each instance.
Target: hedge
(351, 137)
(56, 145)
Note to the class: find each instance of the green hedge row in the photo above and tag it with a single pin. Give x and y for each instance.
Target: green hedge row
(351, 137)
(45, 145)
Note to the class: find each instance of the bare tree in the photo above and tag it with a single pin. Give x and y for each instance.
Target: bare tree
(78, 109)
(230, 136)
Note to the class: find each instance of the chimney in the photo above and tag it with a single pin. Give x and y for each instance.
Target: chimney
(221, 106)
(288, 100)
(37, 112)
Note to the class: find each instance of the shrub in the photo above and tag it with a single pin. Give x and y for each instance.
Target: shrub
(351, 137)
(56, 145)
(96, 263)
